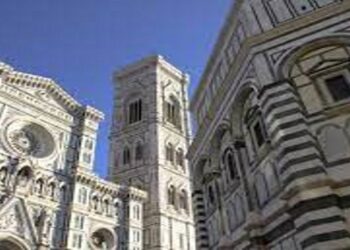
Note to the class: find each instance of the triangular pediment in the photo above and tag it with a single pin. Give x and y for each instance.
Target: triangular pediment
(44, 90)
(15, 220)
(47, 96)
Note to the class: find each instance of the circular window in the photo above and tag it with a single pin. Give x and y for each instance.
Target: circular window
(30, 139)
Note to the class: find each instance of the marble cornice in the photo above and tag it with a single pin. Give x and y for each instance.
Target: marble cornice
(145, 64)
(136, 194)
(107, 187)
(281, 29)
(22, 79)
(229, 25)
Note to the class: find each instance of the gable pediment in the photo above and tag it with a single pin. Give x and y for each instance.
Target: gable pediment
(42, 90)
(15, 219)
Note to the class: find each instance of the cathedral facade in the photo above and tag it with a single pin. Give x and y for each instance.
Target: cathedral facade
(49, 196)
(271, 155)
(148, 143)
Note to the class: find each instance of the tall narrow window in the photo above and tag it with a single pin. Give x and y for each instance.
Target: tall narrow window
(180, 158)
(169, 154)
(173, 113)
(230, 165)
(63, 193)
(183, 200)
(82, 195)
(106, 207)
(126, 156)
(139, 152)
(171, 195)
(135, 111)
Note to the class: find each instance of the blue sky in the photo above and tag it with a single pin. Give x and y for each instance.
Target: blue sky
(80, 43)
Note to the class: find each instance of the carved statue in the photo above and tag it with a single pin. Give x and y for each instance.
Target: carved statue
(100, 242)
(43, 223)
(38, 217)
(47, 226)
(23, 177)
(3, 175)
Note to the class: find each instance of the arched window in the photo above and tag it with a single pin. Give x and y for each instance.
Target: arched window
(39, 186)
(183, 200)
(180, 158)
(106, 206)
(230, 164)
(139, 152)
(126, 156)
(169, 153)
(255, 132)
(52, 190)
(135, 111)
(63, 193)
(172, 112)
(171, 195)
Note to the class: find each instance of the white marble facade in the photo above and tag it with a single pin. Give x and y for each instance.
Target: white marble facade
(270, 158)
(149, 139)
(49, 196)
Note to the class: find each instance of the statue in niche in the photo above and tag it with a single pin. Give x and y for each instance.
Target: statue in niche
(94, 203)
(3, 198)
(46, 232)
(39, 186)
(99, 241)
(3, 175)
(43, 223)
(23, 177)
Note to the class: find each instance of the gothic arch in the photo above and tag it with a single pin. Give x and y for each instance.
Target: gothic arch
(286, 63)
(12, 242)
(237, 107)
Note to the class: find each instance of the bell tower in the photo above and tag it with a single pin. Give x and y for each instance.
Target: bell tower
(148, 143)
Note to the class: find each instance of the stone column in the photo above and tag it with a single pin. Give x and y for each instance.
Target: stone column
(313, 206)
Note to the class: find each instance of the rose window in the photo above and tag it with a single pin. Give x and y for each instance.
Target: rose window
(31, 139)
(24, 142)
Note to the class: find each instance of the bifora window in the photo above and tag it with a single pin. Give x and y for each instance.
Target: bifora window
(339, 87)
(173, 113)
(135, 111)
